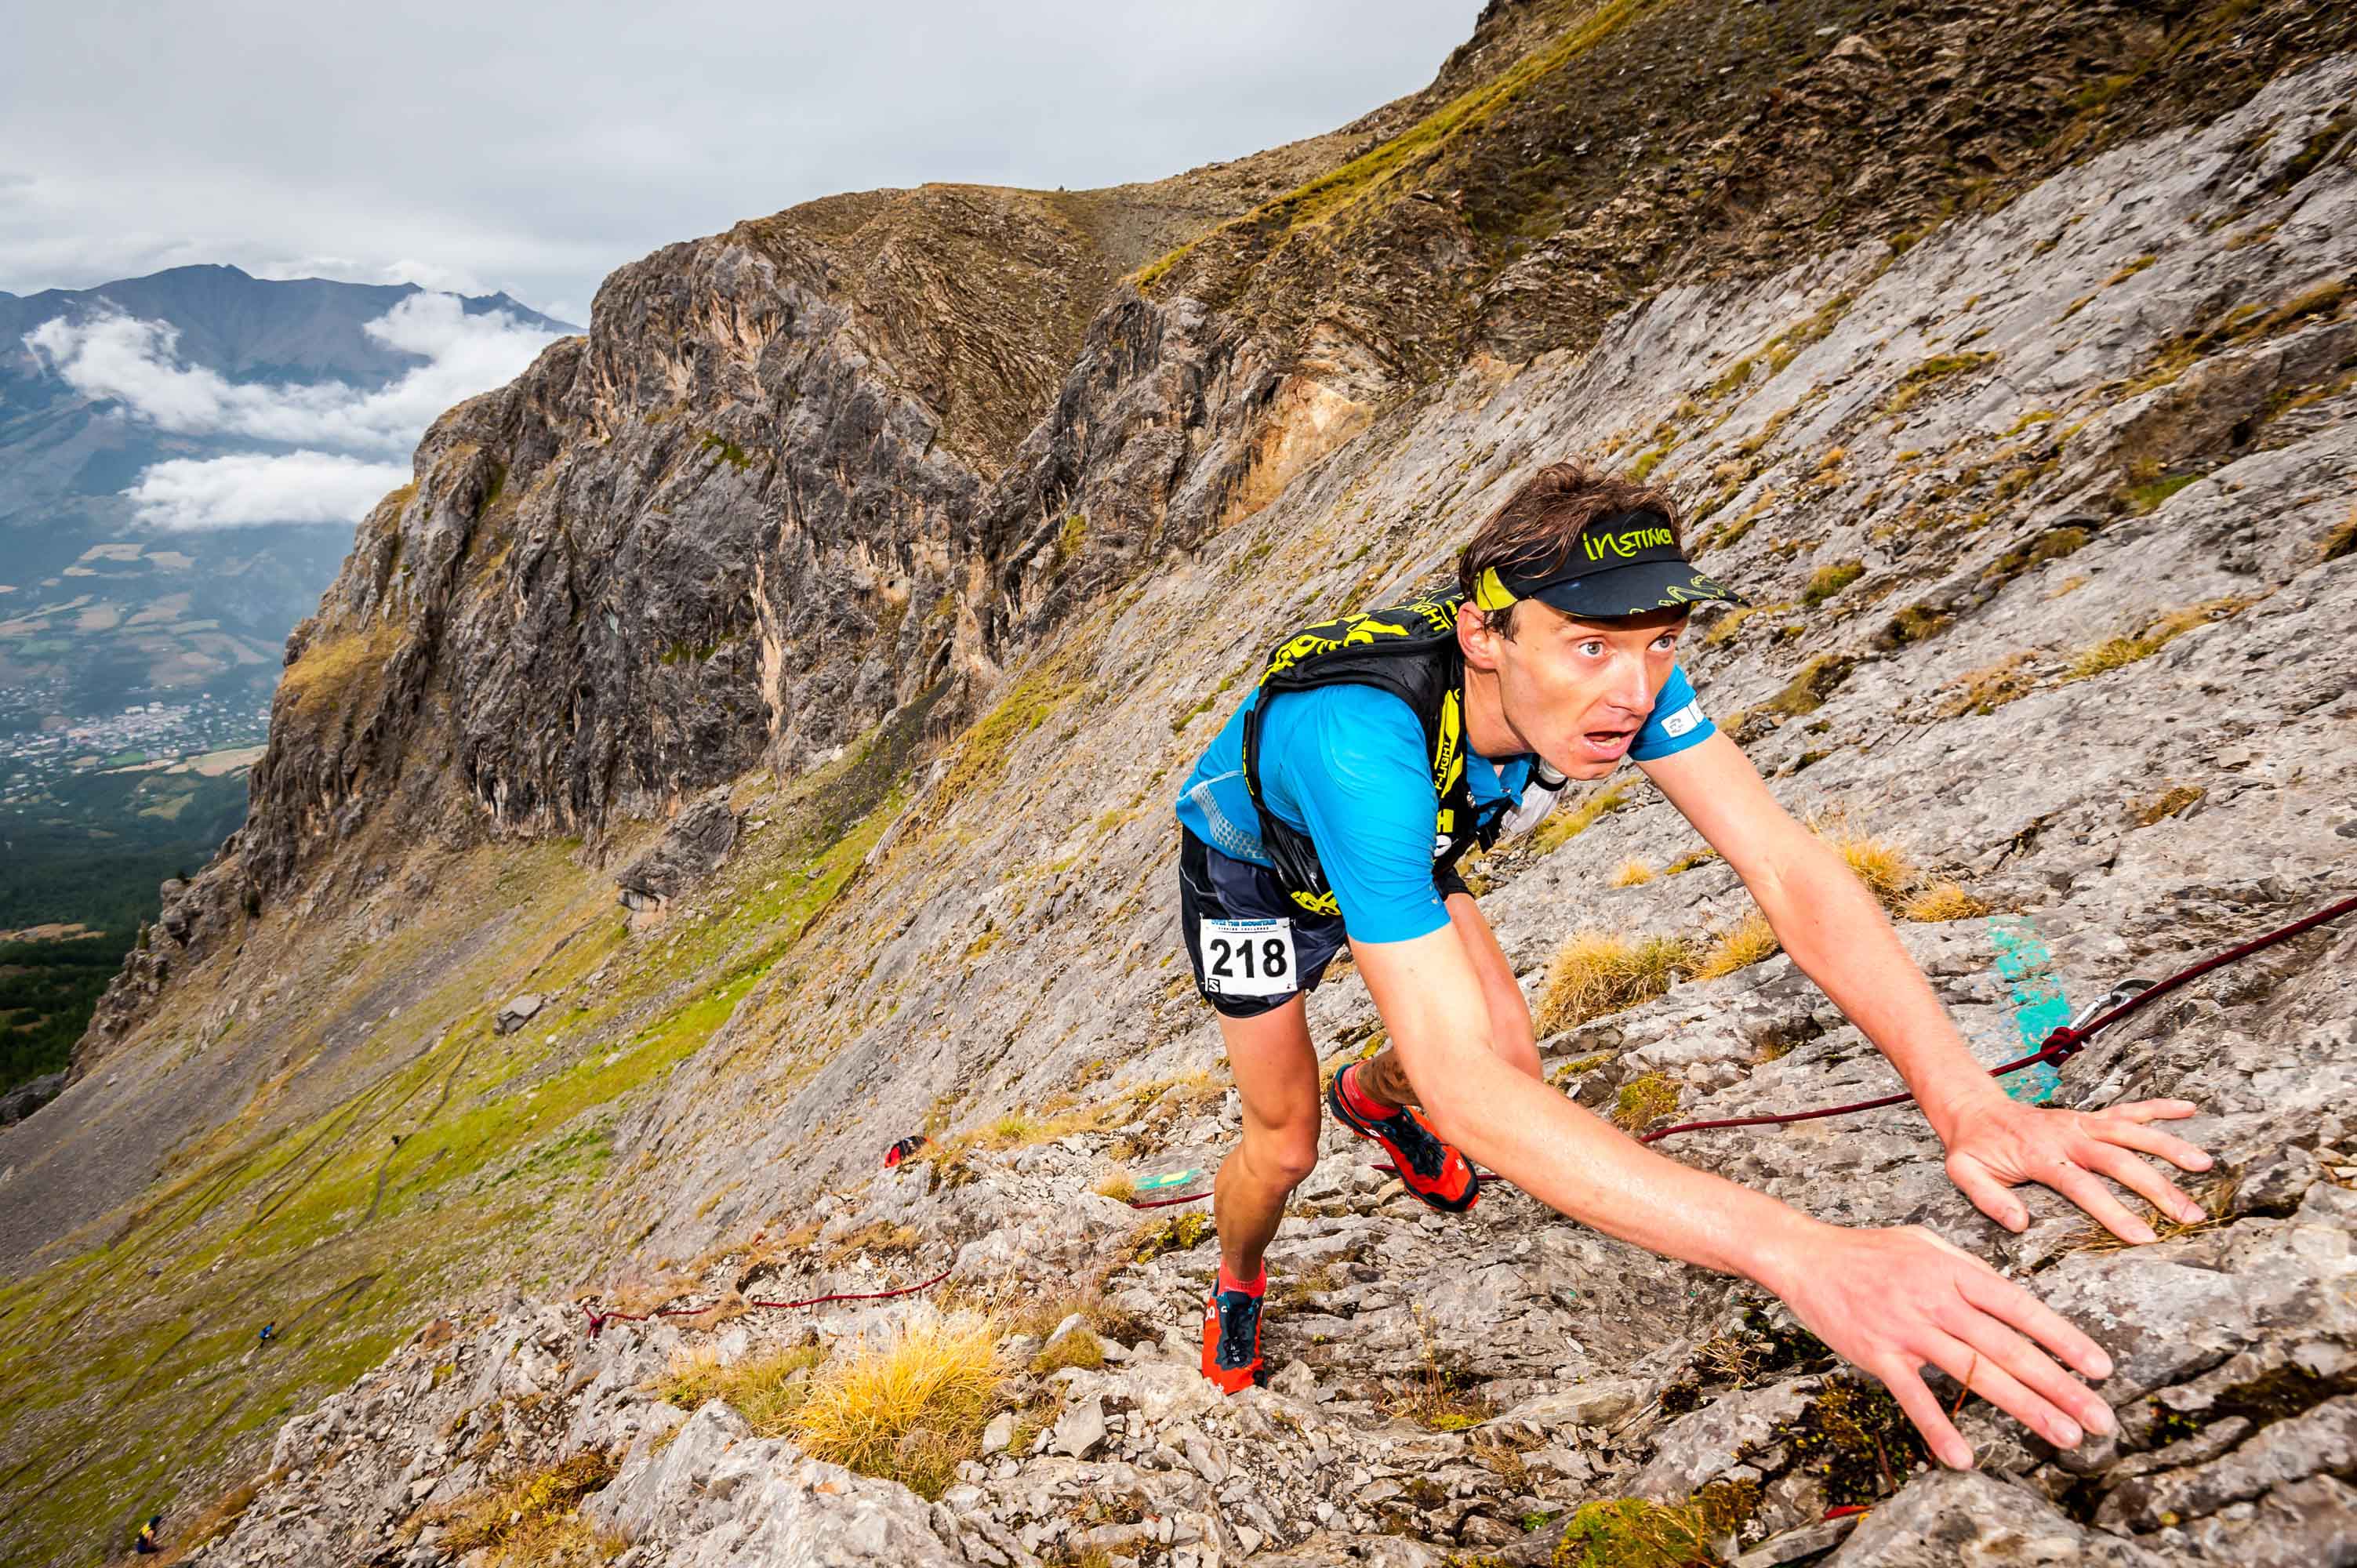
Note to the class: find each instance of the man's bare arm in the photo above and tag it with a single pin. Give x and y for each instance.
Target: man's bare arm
(1889, 1301)
(1829, 923)
(1836, 932)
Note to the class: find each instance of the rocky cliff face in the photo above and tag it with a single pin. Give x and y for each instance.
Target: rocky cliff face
(2044, 502)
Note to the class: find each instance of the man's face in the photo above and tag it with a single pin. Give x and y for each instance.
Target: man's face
(1576, 692)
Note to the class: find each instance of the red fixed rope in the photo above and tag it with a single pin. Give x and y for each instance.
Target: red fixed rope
(597, 1320)
(2060, 1047)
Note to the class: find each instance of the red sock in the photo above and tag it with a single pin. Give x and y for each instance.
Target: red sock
(1227, 1280)
(1359, 1100)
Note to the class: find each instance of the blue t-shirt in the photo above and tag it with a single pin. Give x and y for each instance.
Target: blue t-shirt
(1348, 766)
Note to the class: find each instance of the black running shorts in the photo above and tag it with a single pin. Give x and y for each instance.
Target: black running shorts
(1253, 947)
(1259, 950)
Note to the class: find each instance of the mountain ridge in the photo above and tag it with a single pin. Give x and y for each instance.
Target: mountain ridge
(225, 323)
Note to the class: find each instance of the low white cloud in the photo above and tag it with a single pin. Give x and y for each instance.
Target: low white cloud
(345, 432)
(256, 487)
(135, 363)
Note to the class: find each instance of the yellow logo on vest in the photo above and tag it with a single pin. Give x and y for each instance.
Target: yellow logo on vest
(1356, 632)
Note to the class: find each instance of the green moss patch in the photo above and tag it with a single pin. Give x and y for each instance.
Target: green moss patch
(730, 453)
(1631, 1532)
(1855, 1440)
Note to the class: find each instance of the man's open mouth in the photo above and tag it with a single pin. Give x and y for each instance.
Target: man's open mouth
(1606, 745)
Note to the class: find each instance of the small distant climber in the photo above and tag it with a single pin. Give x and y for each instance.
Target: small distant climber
(147, 1544)
(904, 1148)
(1376, 750)
(269, 1332)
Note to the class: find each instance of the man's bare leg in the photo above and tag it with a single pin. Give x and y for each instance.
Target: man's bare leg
(1276, 1071)
(1380, 1078)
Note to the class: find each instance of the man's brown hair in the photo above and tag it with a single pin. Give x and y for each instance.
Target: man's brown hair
(1539, 523)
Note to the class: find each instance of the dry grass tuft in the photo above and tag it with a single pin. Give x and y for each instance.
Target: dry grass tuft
(1631, 872)
(1689, 861)
(1725, 627)
(1118, 1185)
(2341, 541)
(2112, 653)
(1944, 901)
(647, 1296)
(1991, 687)
(2167, 804)
(910, 1410)
(1503, 1459)
(1886, 870)
(1441, 1396)
(219, 1519)
(1809, 688)
(1021, 1129)
(1567, 1072)
(1749, 941)
(2118, 653)
(879, 1239)
(1075, 1347)
(2216, 1199)
(533, 1520)
(1562, 826)
(1040, 1314)
(765, 1389)
(1644, 1100)
(1596, 973)
(1295, 1292)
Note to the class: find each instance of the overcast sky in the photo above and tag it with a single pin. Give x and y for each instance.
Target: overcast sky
(535, 146)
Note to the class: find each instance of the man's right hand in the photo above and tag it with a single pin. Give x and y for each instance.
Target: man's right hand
(1890, 1302)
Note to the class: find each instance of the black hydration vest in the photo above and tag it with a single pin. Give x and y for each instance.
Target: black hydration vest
(1410, 651)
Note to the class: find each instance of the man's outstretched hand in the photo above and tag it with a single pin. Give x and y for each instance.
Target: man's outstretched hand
(1999, 1146)
(1890, 1302)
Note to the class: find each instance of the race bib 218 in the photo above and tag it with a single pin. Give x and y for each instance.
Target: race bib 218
(1249, 958)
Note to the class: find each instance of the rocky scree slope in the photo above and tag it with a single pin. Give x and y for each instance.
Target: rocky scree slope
(2058, 498)
(846, 461)
(2036, 484)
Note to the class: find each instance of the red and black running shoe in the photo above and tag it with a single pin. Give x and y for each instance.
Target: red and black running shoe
(1435, 1173)
(1231, 1335)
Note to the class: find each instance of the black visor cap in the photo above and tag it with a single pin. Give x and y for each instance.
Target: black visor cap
(1626, 565)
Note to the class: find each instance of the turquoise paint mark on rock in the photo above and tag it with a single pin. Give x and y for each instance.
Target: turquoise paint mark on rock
(2040, 1007)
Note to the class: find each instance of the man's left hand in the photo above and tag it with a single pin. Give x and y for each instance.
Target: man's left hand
(1998, 1146)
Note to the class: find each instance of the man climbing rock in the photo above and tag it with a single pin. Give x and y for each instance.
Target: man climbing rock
(1376, 750)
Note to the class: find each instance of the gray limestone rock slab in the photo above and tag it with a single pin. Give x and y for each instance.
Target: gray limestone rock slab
(1702, 1445)
(1596, 1403)
(2320, 1441)
(516, 1012)
(716, 1495)
(1951, 1517)
(2310, 1523)
(1080, 1431)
